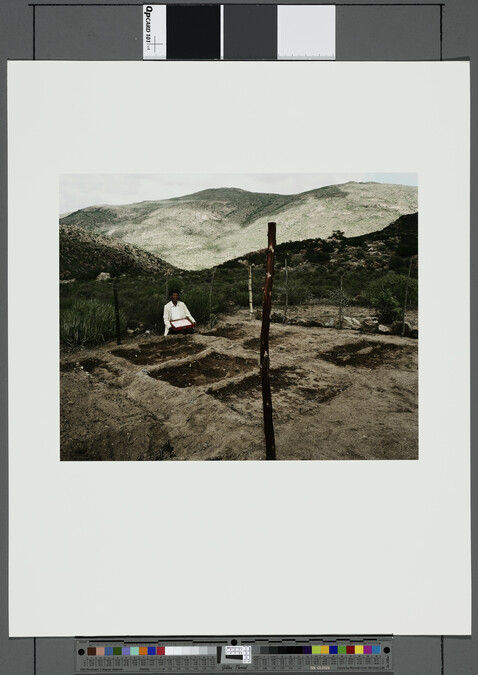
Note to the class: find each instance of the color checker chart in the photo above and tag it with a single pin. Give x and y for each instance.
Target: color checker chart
(369, 655)
(239, 32)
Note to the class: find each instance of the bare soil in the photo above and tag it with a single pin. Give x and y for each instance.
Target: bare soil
(336, 394)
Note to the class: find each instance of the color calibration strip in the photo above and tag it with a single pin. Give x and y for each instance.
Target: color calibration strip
(340, 655)
(239, 32)
(212, 651)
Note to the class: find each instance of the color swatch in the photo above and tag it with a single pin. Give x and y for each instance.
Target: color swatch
(250, 32)
(193, 32)
(306, 32)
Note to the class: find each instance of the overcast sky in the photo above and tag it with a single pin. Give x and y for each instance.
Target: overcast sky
(80, 190)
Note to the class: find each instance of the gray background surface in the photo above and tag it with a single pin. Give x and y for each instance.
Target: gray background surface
(365, 31)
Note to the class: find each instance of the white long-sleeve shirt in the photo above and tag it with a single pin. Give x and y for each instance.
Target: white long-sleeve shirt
(175, 311)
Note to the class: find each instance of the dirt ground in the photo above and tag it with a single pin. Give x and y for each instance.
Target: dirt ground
(336, 394)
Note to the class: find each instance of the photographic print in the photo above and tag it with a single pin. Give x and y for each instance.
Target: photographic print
(161, 317)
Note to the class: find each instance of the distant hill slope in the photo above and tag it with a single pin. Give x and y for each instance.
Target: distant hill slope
(401, 235)
(207, 228)
(83, 255)
(377, 252)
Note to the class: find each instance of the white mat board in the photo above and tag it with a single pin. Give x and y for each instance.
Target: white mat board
(152, 548)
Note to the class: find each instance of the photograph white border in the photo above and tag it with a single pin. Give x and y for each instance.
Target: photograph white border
(214, 548)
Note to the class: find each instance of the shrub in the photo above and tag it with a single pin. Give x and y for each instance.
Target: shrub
(88, 322)
(388, 307)
(398, 264)
(197, 302)
(240, 297)
(396, 283)
(408, 246)
(298, 291)
(387, 296)
(174, 283)
(142, 301)
(328, 247)
(238, 293)
(317, 256)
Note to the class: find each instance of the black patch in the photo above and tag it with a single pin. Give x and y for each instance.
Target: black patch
(193, 32)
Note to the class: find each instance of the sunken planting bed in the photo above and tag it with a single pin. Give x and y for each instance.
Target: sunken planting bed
(153, 353)
(205, 370)
(365, 354)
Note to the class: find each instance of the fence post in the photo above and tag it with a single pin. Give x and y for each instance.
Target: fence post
(406, 295)
(117, 317)
(266, 315)
(210, 298)
(251, 308)
(286, 290)
(167, 285)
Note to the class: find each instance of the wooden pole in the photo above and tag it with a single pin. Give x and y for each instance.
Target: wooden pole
(406, 296)
(210, 297)
(117, 316)
(251, 308)
(341, 302)
(266, 316)
(286, 290)
(167, 286)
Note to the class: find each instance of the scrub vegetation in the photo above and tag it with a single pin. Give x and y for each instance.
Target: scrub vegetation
(375, 270)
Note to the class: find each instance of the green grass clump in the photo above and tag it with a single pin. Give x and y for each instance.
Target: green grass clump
(197, 302)
(88, 322)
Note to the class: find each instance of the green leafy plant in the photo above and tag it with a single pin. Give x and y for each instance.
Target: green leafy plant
(396, 284)
(88, 322)
(387, 295)
(387, 306)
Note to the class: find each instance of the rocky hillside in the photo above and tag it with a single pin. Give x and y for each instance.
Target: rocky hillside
(207, 228)
(83, 255)
(382, 251)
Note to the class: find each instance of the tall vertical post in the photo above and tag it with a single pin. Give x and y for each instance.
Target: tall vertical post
(210, 298)
(341, 302)
(266, 315)
(167, 286)
(286, 290)
(117, 317)
(251, 308)
(406, 296)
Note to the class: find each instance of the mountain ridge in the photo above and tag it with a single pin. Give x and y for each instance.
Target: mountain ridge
(206, 228)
